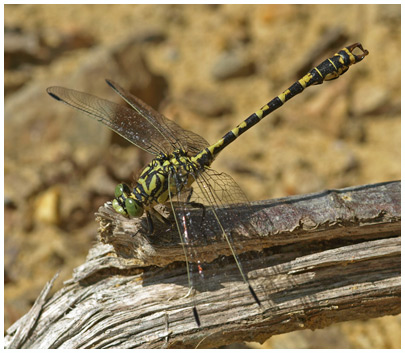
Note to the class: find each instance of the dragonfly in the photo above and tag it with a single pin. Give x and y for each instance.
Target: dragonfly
(180, 174)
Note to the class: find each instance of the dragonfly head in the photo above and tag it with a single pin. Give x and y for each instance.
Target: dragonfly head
(124, 204)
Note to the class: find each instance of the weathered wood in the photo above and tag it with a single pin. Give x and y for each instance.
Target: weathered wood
(321, 258)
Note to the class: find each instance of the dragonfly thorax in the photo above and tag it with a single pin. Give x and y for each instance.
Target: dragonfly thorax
(160, 181)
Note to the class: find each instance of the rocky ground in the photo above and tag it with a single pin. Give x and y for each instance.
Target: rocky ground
(207, 67)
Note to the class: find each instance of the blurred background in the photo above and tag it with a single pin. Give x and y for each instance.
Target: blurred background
(207, 67)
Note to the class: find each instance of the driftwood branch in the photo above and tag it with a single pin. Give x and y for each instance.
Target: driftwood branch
(321, 258)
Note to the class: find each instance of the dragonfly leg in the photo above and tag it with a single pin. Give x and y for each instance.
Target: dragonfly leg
(152, 213)
(149, 222)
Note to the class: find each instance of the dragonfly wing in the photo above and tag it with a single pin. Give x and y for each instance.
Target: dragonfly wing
(189, 231)
(234, 217)
(219, 189)
(206, 216)
(125, 121)
(176, 135)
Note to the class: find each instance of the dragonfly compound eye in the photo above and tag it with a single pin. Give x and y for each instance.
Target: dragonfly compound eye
(133, 208)
(118, 208)
(121, 189)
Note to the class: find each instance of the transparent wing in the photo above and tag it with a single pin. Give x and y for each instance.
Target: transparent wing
(206, 235)
(208, 210)
(173, 133)
(188, 235)
(139, 124)
(233, 214)
(123, 120)
(219, 190)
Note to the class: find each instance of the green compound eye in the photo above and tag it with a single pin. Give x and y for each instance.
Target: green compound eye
(120, 189)
(118, 208)
(133, 208)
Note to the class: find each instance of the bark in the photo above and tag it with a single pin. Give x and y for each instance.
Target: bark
(312, 260)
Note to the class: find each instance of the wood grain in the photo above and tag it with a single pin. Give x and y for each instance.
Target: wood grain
(313, 260)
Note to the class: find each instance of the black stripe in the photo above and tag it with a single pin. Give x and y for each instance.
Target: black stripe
(250, 121)
(297, 88)
(345, 56)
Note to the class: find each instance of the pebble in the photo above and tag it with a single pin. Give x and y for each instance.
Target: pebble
(47, 207)
(206, 103)
(231, 65)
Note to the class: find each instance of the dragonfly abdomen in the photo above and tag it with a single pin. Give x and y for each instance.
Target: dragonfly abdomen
(329, 69)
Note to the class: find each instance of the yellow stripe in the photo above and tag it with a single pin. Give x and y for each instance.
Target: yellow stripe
(319, 72)
(262, 110)
(333, 63)
(259, 114)
(303, 81)
(242, 125)
(235, 131)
